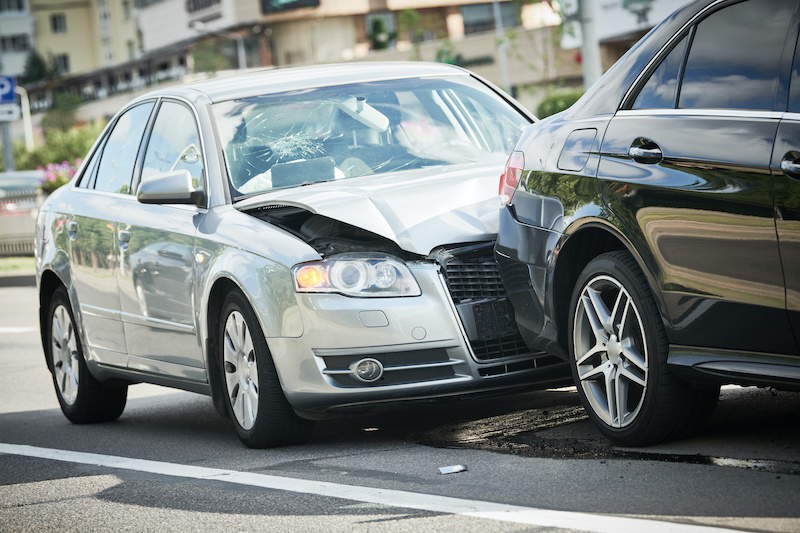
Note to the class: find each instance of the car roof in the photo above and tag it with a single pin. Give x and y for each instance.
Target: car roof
(275, 80)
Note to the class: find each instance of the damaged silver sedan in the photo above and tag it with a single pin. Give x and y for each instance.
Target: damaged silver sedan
(292, 243)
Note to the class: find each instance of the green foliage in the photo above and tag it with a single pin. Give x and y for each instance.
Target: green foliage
(556, 103)
(210, 57)
(380, 36)
(58, 146)
(408, 21)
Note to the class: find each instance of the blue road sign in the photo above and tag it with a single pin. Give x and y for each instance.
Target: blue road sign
(7, 93)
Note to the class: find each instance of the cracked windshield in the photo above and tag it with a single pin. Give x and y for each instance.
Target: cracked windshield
(350, 131)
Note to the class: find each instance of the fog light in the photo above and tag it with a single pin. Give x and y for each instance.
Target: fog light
(367, 370)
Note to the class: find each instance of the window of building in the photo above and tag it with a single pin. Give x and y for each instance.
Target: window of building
(12, 5)
(58, 23)
(15, 43)
(734, 60)
(126, 9)
(480, 17)
(62, 63)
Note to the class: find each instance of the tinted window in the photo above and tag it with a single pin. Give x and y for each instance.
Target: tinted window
(174, 143)
(119, 154)
(734, 60)
(660, 89)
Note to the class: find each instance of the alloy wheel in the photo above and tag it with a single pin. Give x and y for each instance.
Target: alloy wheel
(65, 354)
(610, 350)
(241, 370)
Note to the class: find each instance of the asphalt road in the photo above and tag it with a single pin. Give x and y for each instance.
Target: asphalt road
(533, 464)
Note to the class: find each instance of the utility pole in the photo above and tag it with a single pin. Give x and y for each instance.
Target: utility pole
(590, 47)
(498, 26)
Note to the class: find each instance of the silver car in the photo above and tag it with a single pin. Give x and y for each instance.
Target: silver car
(292, 243)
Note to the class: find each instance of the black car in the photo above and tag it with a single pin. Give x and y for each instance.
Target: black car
(651, 235)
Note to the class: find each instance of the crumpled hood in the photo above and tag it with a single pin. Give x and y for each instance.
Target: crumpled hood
(419, 209)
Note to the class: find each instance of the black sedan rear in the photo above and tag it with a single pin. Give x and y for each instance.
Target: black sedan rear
(651, 235)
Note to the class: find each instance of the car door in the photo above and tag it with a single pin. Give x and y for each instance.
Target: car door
(786, 176)
(686, 167)
(156, 275)
(103, 189)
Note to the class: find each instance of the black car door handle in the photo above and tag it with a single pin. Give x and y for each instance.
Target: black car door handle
(790, 165)
(645, 151)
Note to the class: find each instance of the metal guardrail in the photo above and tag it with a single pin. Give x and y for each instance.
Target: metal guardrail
(18, 210)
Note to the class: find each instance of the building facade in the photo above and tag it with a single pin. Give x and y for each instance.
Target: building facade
(16, 36)
(134, 44)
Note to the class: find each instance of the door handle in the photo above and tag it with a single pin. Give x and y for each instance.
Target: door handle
(790, 164)
(645, 151)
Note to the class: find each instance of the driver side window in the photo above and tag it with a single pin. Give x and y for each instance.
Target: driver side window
(174, 143)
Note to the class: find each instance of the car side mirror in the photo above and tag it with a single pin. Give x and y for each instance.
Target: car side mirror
(173, 187)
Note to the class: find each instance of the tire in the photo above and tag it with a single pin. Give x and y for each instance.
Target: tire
(255, 400)
(618, 351)
(83, 399)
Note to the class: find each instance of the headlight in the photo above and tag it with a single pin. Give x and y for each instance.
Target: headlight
(363, 275)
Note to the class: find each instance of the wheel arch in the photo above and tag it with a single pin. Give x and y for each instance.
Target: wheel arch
(582, 244)
(219, 290)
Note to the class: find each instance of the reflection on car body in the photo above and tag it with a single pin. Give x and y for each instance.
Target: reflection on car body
(650, 233)
(292, 243)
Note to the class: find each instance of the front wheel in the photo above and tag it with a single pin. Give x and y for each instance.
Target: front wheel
(618, 350)
(83, 399)
(255, 401)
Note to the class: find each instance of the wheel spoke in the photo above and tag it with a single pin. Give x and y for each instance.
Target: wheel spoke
(611, 322)
(596, 322)
(620, 399)
(611, 396)
(631, 354)
(601, 370)
(600, 310)
(596, 349)
(627, 373)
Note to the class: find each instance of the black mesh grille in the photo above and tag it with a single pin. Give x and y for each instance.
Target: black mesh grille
(503, 347)
(474, 280)
(475, 277)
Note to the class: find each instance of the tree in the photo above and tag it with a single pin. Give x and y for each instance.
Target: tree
(37, 69)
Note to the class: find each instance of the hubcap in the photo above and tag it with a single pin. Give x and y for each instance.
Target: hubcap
(64, 348)
(610, 351)
(241, 371)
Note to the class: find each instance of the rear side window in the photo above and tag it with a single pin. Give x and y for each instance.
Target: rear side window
(115, 169)
(661, 89)
(734, 60)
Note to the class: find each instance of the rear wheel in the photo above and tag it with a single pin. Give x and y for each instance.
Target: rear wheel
(255, 401)
(83, 399)
(618, 350)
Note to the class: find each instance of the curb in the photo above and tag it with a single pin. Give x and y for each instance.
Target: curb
(21, 279)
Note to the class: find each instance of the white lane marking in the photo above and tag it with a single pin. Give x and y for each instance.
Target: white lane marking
(17, 330)
(592, 523)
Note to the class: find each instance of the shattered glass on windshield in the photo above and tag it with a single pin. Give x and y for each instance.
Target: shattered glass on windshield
(304, 137)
